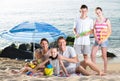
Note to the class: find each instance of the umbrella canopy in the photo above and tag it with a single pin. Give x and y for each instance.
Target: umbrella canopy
(32, 32)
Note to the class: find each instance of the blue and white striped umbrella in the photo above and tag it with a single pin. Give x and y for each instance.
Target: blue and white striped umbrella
(32, 32)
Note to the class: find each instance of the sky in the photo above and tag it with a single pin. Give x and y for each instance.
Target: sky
(7, 5)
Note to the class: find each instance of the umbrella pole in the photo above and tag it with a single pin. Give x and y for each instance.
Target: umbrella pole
(33, 50)
(33, 44)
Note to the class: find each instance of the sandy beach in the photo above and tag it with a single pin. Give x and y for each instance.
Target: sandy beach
(62, 15)
(6, 65)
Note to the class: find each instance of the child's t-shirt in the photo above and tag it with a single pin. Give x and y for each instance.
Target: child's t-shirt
(56, 66)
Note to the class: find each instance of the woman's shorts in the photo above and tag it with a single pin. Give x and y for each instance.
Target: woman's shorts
(104, 44)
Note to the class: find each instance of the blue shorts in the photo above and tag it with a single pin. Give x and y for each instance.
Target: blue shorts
(104, 44)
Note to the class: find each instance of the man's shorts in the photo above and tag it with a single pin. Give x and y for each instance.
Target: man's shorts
(71, 70)
(82, 49)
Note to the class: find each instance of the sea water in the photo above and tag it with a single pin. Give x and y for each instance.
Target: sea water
(61, 14)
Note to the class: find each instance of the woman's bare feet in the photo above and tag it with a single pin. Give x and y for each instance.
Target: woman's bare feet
(102, 73)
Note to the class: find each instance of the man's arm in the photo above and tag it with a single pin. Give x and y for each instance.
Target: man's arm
(75, 32)
(72, 60)
(89, 32)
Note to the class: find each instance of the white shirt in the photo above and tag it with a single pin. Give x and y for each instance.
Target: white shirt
(69, 53)
(83, 25)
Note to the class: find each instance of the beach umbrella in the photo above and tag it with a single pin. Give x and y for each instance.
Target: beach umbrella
(28, 32)
(32, 32)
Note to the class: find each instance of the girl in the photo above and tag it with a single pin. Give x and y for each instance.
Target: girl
(102, 31)
(30, 66)
(55, 62)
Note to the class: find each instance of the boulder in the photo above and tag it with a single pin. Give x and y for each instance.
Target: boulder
(13, 53)
(109, 54)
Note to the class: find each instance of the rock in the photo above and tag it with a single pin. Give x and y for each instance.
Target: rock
(13, 53)
(109, 54)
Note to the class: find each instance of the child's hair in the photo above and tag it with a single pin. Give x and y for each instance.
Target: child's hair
(37, 51)
(54, 48)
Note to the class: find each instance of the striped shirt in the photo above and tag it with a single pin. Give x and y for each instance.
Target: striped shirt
(101, 30)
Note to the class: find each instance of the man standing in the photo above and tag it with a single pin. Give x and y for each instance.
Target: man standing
(83, 27)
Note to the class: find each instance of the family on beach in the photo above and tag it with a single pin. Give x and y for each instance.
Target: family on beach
(63, 60)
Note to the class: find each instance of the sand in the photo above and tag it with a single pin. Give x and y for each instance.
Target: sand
(6, 65)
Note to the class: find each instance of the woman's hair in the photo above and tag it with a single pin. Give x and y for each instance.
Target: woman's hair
(98, 8)
(44, 39)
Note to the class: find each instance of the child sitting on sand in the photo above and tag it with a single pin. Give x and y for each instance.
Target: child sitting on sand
(55, 63)
(31, 66)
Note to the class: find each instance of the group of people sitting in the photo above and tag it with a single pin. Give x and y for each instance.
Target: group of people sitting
(62, 59)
